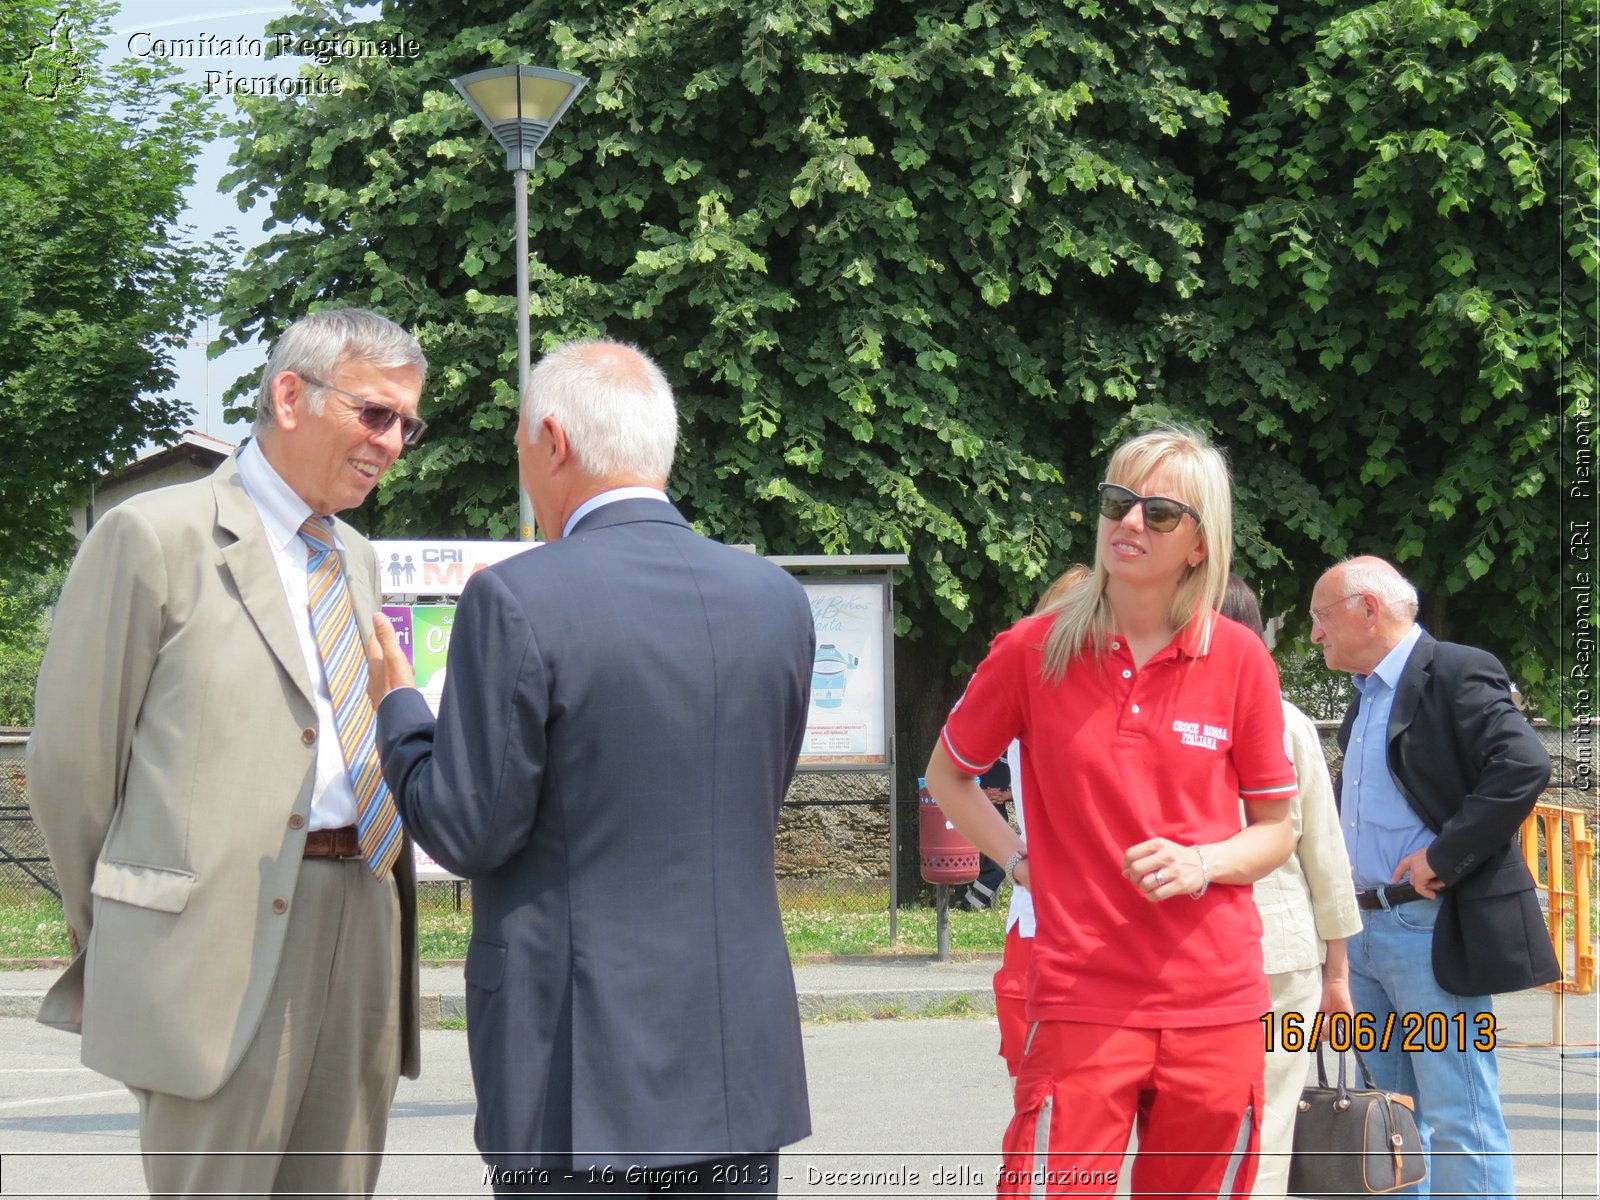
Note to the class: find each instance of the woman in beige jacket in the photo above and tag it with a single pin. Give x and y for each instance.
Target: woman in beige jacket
(1308, 905)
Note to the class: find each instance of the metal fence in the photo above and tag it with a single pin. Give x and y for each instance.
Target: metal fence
(25, 872)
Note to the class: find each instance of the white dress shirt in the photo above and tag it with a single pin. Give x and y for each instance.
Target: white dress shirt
(333, 800)
(610, 496)
(1020, 915)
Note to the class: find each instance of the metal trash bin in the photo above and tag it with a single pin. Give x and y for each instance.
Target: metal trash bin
(947, 856)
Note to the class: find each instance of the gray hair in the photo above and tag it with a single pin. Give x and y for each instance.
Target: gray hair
(614, 404)
(318, 345)
(1381, 579)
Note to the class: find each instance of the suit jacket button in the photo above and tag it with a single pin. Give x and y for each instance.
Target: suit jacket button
(308, 736)
(296, 821)
(280, 906)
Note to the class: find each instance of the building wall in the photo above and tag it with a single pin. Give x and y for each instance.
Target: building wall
(177, 465)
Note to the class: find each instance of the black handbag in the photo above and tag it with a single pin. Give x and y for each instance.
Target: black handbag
(1354, 1141)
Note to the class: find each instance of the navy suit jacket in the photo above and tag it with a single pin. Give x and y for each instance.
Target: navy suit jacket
(620, 722)
(1471, 768)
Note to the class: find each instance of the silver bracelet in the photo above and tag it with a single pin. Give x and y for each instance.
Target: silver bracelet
(1011, 863)
(1205, 873)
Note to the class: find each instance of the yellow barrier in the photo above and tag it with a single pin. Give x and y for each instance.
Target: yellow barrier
(1562, 863)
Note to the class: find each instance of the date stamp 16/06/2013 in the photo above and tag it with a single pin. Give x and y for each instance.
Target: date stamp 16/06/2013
(1363, 1031)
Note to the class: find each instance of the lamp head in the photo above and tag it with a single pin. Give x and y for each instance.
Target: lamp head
(520, 105)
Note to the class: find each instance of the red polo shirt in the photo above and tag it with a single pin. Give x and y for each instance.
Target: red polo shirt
(1113, 756)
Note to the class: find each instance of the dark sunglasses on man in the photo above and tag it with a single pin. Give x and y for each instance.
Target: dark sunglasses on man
(1161, 513)
(374, 417)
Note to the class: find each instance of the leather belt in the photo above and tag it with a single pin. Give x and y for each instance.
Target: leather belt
(333, 843)
(1396, 893)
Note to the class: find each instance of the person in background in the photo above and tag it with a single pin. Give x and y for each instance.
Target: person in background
(1439, 772)
(1143, 718)
(1308, 909)
(241, 896)
(982, 892)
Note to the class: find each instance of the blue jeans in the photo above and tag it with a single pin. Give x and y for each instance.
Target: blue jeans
(1457, 1091)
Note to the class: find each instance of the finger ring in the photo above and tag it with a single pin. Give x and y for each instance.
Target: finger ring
(1160, 878)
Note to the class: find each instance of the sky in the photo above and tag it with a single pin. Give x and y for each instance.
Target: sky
(143, 28)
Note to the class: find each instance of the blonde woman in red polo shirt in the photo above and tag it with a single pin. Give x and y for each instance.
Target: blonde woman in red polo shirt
(1144, 717)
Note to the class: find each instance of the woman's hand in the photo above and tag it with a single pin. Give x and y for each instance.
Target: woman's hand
(1266, 841)
(1336, 979)
(1162, 869)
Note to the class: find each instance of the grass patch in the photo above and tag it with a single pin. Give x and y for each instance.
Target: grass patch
(443, 933)
(816, 921)
(954, 1007)
(841, 1013)
(33, 928)
(820, 923)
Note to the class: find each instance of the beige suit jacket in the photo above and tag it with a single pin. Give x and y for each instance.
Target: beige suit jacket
(1309, 901)
(170, 770)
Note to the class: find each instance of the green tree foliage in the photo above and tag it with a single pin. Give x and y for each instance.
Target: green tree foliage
(98, 285)
(913, 267)
(1410, 264)
(25, 603)
(1321, 694)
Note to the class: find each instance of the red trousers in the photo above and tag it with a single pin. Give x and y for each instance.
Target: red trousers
(1195, 1093)
(1011, 998)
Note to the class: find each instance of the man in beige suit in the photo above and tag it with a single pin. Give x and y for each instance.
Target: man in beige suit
(243, 910)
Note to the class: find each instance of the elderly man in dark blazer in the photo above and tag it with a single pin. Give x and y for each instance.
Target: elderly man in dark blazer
(1439, 772)
(623, 712)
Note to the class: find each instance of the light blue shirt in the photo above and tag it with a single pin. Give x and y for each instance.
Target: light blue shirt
(610, 496)
(1379, 826)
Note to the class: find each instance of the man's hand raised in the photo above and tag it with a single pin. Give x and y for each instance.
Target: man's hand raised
(387, 667)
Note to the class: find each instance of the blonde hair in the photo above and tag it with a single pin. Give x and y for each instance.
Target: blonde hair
(1201, 476)
(1064, 583)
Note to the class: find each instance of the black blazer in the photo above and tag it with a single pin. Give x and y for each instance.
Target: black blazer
(619, 725)
(1471, 768)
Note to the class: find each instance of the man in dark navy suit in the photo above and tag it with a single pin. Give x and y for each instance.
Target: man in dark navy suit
(1439, 772)
(620, 723)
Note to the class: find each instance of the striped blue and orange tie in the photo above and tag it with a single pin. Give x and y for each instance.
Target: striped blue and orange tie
(344, 663)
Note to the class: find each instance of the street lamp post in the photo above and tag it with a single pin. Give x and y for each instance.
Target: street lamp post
(521, 105)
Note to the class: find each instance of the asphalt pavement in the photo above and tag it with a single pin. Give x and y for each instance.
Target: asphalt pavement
(900, 1107)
